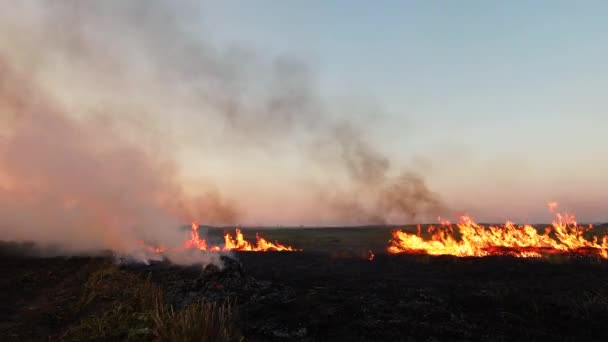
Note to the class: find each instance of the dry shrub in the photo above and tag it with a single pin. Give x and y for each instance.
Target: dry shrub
(203, 321)
(120, 305)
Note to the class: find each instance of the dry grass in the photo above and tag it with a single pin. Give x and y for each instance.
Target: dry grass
(119, 305)
(198, 322)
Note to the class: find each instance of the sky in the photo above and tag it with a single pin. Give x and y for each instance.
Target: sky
(307, 112)
(504, 100)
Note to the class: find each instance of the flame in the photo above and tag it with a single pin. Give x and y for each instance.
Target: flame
(151, 249)
(370, 255)
(565, 235)
(195, 240)
(238, 243)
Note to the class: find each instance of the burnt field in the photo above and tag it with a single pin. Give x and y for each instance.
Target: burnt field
(329, 292)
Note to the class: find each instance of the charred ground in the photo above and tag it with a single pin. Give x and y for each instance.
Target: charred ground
(328, 292)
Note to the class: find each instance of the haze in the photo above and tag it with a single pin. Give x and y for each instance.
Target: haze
(308, 113)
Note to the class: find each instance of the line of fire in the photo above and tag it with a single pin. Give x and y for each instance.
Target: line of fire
(463, 239)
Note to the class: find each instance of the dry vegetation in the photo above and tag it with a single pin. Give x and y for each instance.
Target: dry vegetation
(198, 322)
(119, 305)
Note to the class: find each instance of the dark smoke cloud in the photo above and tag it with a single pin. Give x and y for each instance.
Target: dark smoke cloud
(99, 98)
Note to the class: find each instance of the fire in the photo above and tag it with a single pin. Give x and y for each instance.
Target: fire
(468, 238)
(262, 245)
(238, 243)
(151, 249)
(195, 241)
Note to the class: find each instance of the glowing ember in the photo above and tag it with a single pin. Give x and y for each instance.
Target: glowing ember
(238, 243)
(468, 238)
(370, 255)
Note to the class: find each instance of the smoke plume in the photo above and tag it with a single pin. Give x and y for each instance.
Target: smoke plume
(119, 122)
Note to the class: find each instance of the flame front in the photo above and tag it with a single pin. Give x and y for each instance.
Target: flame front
(468, 238)
(195, 241)
(238, 243)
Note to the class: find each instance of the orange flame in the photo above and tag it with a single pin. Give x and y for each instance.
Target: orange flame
(151, 249)
(195, 240)
(238, 243)
(565, 235)
(262, 245)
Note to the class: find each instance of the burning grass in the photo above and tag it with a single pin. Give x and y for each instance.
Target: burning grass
(467, 238)
(236, 243)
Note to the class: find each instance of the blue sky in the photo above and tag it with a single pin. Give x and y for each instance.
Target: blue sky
(510, 94)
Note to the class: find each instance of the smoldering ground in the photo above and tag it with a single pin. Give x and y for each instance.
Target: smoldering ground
(101, 101)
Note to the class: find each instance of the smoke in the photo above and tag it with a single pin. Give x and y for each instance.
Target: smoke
(120, 121)
(79, 185)
(376, 195)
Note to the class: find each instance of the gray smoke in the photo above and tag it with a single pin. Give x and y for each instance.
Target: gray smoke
(78, 185)
(100, 100)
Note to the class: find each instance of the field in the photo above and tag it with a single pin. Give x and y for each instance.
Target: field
(329, 292)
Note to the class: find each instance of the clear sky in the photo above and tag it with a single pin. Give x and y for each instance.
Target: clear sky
(507, 101)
